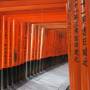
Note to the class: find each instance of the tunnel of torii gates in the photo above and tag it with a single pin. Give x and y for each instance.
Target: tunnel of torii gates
(55, 11)
(34, 11)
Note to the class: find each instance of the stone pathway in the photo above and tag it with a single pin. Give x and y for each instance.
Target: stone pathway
(55, 79)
